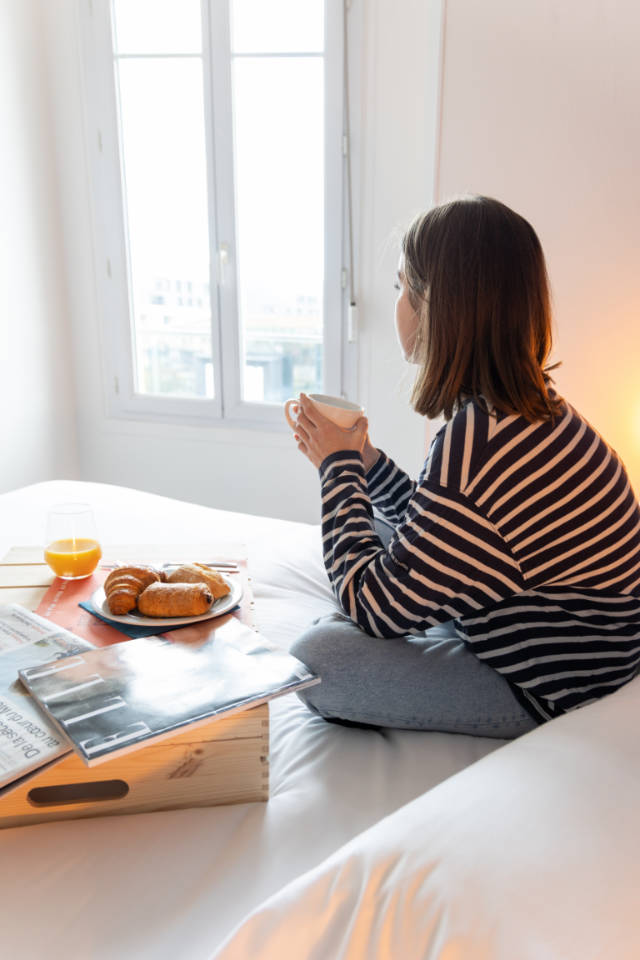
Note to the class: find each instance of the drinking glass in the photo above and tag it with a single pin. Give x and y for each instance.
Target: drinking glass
(72, 548)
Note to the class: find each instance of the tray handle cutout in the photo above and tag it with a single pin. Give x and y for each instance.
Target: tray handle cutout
(66, 793)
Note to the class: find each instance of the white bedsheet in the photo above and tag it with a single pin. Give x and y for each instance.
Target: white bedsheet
(174, 884)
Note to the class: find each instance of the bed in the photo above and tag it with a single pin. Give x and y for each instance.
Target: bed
(373, 844)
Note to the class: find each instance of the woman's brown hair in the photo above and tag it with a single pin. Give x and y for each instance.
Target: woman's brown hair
(477, 278)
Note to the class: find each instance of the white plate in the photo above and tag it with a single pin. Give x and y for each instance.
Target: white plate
(223, 605)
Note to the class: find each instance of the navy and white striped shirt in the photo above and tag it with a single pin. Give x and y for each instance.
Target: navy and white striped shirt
(526, 535)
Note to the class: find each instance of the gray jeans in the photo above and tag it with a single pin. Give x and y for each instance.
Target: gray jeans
(427, 682)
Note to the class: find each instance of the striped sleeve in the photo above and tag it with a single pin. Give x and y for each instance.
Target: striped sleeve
(390, 488)
(444, 562)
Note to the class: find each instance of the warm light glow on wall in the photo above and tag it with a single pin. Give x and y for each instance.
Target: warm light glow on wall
(633, 463)
(601, 359)
(621, 428)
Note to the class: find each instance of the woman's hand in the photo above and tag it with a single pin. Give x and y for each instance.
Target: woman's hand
(317, 436)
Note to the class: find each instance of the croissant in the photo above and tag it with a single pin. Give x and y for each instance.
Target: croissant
(124, 585)
(199, 573)
(175, 600)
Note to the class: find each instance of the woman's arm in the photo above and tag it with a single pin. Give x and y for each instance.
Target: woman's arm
(445, 561)
(390, 488)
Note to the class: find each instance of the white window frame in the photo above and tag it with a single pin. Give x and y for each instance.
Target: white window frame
(227, 408)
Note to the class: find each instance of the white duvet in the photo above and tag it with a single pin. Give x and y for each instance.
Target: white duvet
(533, 852)
(530, 854)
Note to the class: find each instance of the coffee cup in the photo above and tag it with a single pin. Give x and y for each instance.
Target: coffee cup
(342, 412)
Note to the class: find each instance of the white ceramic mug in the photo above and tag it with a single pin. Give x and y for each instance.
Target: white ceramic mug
(342, 412)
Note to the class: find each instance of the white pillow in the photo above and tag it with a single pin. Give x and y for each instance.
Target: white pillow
(532, 853)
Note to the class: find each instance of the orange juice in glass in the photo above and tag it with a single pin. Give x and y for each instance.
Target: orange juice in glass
(72, 548)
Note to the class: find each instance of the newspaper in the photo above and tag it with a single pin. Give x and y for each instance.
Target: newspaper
(27, 738)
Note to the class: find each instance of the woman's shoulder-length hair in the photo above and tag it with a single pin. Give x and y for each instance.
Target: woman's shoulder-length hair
(477, 277)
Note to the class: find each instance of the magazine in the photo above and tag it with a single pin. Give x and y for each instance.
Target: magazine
(114, 699)
(28, 739)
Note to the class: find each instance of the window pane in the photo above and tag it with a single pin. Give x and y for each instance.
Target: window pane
(277, 26)
(157, 26)
(279, 168)
(162, 130)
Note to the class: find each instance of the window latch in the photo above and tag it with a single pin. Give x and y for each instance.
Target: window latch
(223, 263)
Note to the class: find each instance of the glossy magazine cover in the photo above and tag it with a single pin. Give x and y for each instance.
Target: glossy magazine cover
(113, 699)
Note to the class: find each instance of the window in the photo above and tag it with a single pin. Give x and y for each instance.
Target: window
(216, 140)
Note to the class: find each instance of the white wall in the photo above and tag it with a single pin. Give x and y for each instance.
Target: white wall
(37, 424)
(395, 173)
(540, 109)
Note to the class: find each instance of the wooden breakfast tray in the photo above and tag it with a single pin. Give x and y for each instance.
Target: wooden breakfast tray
(224, 761)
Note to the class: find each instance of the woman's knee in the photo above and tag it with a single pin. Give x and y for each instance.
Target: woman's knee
(324, 642)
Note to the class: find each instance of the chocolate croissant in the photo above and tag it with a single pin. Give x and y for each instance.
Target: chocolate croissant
(124, 585)
(200, 573)
(175, 600)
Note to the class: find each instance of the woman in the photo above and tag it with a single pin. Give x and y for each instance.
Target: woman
(509, 592)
